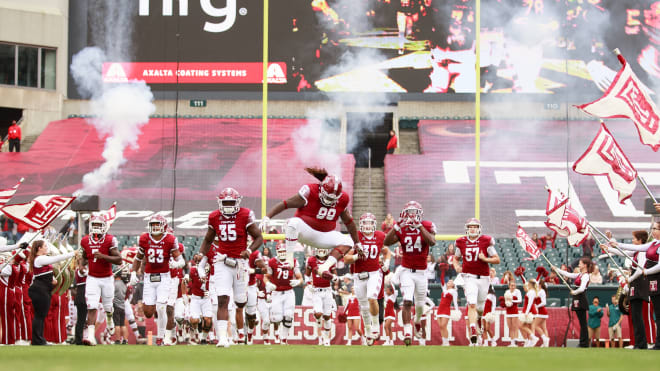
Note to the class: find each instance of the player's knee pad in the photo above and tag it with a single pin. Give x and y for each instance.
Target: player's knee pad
(276, 318)
(364, 303)
(291, 229)
(287, 322)
(107, 305)
(251, 310)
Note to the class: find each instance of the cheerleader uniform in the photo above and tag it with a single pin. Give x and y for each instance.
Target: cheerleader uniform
(352, 308)
(390, 313)
(539, 303)
(444, 307)
(516, 298)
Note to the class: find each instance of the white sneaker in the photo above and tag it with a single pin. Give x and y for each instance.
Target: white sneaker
(513, 345)
(320, 340)
(533, 340)
(326, 342)
(223, 343)
(546, 342)
(422, 342)
(348, 343)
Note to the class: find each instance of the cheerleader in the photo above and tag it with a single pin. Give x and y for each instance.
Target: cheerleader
(580, 304)
(443, 313)
(489, 317)
(42, 286)
(390, 314)
(541, 313)
(651, 270)
(529, 313)
(352, 312)
(512, 298)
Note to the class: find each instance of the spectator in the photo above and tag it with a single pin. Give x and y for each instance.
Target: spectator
(6, 227)
(549, 237)
(70, 228)
(14, 136)
(595, 316)
(21, 229)
(553, 279)
(493, 277)
(596, 276)
(119, 313)
(388, 223)
(507, 277)
(540, 243)
(588, 246)
(431, 268)
(446, 265)
(614, 324)
(392, 143)
(266, 253)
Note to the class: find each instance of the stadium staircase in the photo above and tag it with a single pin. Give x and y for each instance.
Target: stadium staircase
(369, 197)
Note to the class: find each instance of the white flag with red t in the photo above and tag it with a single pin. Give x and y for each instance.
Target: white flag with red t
(565, 220)
(38, 213)
(605, 157)
(528, 244)
(8, 193)
(628, 97)
(110, 215)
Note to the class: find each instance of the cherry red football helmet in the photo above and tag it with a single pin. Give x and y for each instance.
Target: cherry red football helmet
(367, 223)
(157, 224)
(473, 222)
(330, 190)
(229, 201)
(412, 213)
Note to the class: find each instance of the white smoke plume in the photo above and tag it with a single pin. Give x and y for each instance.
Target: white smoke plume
(119, 111)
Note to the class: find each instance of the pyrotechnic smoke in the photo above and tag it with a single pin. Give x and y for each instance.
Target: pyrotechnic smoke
(119, 110)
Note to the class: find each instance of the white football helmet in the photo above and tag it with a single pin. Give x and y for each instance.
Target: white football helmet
(229, 201)
(157, 224)
(97, 225)
(330, 190)
(367, 223)
(471, 232)
(412, 213)
(281, 252)
(321, 253)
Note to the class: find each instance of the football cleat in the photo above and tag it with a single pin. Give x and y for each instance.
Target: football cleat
(249, 339)
(241, 339)
(418, 330)
(223, 343)
(277, 339)
(159, 342)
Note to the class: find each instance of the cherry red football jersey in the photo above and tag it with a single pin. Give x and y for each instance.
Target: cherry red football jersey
(157, 253)
(470, 253)
(231, 231)
(282, 274)
(99, 267)
(414, 249)
(372, 247)
(252, 262)
(317, 281)
(321, 218)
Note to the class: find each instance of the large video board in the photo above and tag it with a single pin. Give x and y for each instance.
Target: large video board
(387, 46)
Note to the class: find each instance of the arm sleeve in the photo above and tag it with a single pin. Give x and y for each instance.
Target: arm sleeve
(7, 248)
(653, 270)
(543, 298)
(530, 302)
(567, 274)
(42, 260)
(6, 271)
(454, 299)
(631, 247)
(584, 281)
(516, 298)
(638, 272)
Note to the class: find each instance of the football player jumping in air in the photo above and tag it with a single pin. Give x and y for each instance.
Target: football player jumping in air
(231, 223)
(319, 206)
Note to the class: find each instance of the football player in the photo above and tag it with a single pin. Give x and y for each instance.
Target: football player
(175, 306)
(231, 223)
(200, 303)
(322, 295)
(319, 206)
(156, 247)
(280, 281)
(256, 265)
(368, 275)
(476, 252)
(101, 252)
(264, 300)
(416, 236)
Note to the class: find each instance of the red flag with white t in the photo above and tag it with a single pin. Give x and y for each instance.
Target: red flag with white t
(8, 193)
(38, 213)
(628, 97)
(605, 157)
(564, 219)
(528, 244)
(110, 215)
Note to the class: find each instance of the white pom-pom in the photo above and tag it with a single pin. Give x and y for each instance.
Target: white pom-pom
(455, 315)
(490, 317)
(526, 317)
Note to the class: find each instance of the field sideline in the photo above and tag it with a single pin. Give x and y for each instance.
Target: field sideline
(315, 358)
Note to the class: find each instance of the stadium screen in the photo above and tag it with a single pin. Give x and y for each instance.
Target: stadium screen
(389, 46)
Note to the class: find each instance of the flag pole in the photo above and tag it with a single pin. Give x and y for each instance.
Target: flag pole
(646, 188)
(618, 267)
(560, 276)
(607, 239)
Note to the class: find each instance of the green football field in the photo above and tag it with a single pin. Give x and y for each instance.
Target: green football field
(314, 358)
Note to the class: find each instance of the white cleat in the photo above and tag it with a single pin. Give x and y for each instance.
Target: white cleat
(223, 343)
